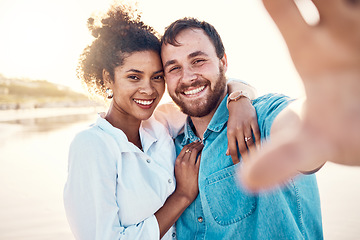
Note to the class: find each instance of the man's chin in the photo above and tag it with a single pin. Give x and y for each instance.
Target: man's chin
(194, 111)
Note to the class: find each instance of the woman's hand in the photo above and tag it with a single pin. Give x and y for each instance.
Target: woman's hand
(242, 128)
(187, 171)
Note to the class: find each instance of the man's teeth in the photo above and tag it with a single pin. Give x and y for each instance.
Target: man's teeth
(144, 102)
(194, 91)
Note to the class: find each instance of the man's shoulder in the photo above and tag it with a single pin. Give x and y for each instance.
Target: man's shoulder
(267, 108)
(271, 98)
(179, 138)
(271, 102)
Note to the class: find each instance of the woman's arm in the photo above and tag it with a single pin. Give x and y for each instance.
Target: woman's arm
(171, 117)
(236, 85)
(242, 128)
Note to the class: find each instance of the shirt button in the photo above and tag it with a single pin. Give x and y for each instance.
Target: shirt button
(170, 181)
(173, 235)
(148, 160)
(200, 219)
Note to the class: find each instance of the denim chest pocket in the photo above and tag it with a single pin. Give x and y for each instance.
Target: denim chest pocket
(227, 199)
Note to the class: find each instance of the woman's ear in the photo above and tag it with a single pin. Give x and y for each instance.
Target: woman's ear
(106, 77)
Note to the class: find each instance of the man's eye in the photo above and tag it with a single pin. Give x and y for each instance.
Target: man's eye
(198, 61)
(174, 69)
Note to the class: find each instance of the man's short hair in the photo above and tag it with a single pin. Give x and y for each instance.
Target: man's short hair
(176, 27)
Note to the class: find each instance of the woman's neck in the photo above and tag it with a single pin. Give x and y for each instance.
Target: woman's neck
(127, 124)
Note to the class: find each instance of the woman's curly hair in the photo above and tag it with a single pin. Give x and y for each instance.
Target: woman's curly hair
(119, 33)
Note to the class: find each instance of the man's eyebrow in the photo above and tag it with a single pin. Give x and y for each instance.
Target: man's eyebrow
(197, 53)
(191, 55)
(169, 63)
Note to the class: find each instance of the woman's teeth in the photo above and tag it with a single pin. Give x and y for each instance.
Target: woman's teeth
(144, 102)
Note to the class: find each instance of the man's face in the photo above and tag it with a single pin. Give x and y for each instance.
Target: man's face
(195, 76)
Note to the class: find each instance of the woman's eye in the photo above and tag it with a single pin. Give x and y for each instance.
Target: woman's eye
(134, 77)
(159, 78)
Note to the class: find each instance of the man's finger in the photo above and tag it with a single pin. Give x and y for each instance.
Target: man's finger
(287, 17)
(282, 159)
(269, 168)
(328, 9)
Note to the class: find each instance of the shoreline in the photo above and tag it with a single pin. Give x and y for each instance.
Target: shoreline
(21, 114)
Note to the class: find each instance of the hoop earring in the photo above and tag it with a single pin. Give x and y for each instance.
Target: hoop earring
(109, 93)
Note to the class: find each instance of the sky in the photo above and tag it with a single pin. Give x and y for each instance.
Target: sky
(42, 39)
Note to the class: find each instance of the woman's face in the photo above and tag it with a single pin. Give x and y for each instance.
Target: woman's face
(138, 85)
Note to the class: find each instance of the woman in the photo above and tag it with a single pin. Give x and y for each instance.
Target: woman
(121, 182)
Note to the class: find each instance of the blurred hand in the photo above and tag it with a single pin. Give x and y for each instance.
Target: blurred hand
(187, 166)
(327, 57)
(242, 128)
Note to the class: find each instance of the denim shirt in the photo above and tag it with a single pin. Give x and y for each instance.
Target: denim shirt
(224, 210)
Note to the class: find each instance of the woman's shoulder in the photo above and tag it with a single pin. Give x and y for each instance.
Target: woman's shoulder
(91, 144)
(88, 138)
(92, 136)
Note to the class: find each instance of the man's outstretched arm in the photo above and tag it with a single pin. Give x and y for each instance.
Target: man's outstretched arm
(327, 57)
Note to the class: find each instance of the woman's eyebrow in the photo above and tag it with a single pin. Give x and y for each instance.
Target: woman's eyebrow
(134, 70)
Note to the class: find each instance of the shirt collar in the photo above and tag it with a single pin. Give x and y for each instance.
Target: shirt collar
(218, 121)
(147, 135)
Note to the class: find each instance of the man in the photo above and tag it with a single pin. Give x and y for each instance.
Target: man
(327, 57)
(195, 65)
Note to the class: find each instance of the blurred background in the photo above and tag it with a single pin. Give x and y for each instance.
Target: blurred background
(42, 104)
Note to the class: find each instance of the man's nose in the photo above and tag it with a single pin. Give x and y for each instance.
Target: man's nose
(189, 75)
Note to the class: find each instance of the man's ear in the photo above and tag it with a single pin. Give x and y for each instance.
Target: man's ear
(224, 63)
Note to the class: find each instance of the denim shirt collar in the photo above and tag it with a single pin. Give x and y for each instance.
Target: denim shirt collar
(218, 121)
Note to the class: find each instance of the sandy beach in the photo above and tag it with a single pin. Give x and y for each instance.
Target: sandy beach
(33, 158)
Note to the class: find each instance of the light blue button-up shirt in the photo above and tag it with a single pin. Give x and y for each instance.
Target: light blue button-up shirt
(113, 188)
(224, 210)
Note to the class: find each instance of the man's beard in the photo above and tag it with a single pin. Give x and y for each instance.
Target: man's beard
(205, 107)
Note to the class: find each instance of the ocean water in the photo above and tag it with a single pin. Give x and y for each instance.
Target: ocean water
(33, 160)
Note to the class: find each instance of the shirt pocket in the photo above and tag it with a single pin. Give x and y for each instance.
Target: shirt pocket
(228, 201)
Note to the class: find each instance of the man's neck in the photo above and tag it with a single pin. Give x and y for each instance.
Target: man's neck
(201, 123)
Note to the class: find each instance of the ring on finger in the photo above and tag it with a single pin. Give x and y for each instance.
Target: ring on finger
(247, 139)
(188, 151)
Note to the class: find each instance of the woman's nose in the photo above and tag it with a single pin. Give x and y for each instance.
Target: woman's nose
(147, 88)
